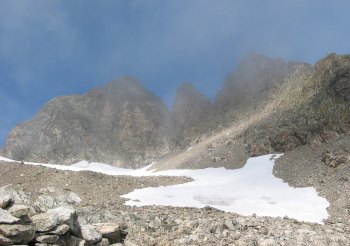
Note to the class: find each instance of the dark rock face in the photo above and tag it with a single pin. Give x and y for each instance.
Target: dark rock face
(251, 80)
(191, 108)
(121, 123)
(320, 110)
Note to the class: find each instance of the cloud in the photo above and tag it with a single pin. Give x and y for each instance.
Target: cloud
(34, 34)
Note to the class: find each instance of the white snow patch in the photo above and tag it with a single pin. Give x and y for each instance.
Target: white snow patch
(5, 159)
(251, 189)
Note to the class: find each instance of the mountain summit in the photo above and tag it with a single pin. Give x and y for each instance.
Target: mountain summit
(121, 123)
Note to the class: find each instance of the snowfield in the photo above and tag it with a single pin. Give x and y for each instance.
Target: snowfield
(252, 189)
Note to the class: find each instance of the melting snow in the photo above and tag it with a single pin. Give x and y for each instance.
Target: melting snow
(251, 189)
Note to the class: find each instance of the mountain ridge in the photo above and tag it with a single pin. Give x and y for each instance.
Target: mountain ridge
(259, 101)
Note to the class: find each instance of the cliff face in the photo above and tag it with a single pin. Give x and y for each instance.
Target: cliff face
(121, 123)
(311, 107)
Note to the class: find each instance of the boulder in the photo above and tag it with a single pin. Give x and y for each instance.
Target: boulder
(47, 238)
(6, 200)
(103, 242)
(19, 234)
(60, 230)
(19, 211)
(90, 234)
(109, 231)
(45, 222)
(74, 241)
(67, 216)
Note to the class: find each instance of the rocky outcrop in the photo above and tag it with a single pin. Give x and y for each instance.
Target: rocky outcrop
(311, 107)
(58, 226)
(334, 159)
(121, 124)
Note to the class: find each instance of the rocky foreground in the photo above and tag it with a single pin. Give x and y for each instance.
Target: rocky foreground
(21, 224)
(95, 198)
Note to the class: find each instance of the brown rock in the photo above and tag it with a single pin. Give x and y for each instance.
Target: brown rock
(109, 231)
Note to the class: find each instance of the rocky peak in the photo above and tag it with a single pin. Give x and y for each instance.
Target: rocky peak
(191, 107)
(120, 123)
(332, 76)
(249, 83)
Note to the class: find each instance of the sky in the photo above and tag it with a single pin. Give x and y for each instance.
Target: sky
(53, 47)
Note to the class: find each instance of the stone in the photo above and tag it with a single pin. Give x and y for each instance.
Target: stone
(66, 215)
(334, 159)
(18, 196)
(47, 238)
(7, 218)
(6, 241)
(18, 233)
(53, 198)
(103, 242)
(60, 230)
(45, 222)
(228, 225)
(109, 231)
(6, 200)
(90, 234)
(19, 211)
(228, 143)
(74, 241)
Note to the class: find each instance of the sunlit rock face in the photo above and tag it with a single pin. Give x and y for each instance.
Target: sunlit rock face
(121, 123)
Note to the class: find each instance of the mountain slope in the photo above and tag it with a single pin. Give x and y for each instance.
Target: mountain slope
(308, 105)
(265, 106)
(121, 123)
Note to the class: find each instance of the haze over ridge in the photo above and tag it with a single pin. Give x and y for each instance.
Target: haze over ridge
(57, 48)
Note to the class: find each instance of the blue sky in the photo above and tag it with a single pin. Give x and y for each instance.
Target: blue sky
(50, 47)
